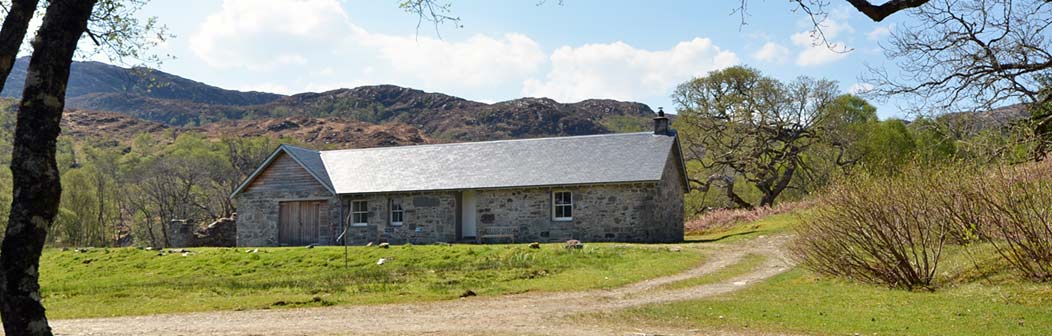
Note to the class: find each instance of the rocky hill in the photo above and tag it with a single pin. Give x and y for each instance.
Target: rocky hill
(451, 118)
(320, 132)
(101, 79)
(153, 100)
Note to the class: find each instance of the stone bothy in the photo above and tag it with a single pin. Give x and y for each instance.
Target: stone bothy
(625, 187)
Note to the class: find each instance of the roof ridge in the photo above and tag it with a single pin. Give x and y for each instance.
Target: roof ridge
(300, 148)
(484, 142)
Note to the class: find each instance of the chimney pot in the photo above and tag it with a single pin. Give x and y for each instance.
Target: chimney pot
(661, 126)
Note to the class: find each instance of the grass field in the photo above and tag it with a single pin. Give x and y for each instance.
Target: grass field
(799, 302)
(979, 296)
(128, 281)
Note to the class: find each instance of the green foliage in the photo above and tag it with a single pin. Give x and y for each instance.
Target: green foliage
(128, 281)
(886, 146)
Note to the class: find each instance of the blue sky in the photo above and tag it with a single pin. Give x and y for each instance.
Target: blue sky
(627, 50)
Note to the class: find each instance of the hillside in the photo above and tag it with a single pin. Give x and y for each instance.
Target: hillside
(96, 78)
(453, 118)
(405, 115)
(321, 132)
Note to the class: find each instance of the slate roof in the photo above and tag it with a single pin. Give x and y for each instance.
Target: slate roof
(592, 159)
(576, 160)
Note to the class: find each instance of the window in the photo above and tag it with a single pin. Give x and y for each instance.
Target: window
(359, 213)
(562, 206)
(396, 212)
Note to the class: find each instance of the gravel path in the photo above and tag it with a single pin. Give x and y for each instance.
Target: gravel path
(519, 314)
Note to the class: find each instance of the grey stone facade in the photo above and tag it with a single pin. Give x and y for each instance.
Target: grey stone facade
(257, 222)
(258, 205)
(638, 212)
(646, 212)
(428, 217)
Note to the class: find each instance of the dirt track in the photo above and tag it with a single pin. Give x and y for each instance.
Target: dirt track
(520, 314)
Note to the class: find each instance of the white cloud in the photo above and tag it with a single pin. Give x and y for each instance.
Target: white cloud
(318, 39)
(317, 47)
(861, 88)
(881, 32)
(772, 52)
(264, 34)
(480, 60)
(822, 47)
(620, 71)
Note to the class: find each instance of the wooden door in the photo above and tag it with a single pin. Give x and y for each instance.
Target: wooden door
(300, 222)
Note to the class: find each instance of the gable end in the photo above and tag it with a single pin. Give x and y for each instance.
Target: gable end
(285, 169)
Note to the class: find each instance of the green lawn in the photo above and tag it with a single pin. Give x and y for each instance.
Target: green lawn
(801, 303)
(978, 295)
(128, 281)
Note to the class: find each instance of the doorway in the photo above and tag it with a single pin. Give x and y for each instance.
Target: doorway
(299, 221)
(468, 214)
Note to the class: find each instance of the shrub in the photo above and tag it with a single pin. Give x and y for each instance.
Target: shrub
(892, 230)
(889, 231)
(1014, 212)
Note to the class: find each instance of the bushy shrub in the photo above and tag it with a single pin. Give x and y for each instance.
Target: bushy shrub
(1013, 207)
(879, 230)
(891, 230)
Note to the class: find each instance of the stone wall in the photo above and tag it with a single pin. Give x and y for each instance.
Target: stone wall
(666, 212)
(600, 213)
(180, 233)
(428, 217)
(220, 233)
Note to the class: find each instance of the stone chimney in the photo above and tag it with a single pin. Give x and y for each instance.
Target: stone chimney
(661, 123)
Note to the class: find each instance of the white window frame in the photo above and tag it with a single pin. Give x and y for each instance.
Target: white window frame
(364, 213)
(401, 213)
(554, 206)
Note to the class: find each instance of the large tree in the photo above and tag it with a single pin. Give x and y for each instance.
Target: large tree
(974, 55)
(742, 125)
(35, 175)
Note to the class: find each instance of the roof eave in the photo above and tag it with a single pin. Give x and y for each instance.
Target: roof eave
(502, 187)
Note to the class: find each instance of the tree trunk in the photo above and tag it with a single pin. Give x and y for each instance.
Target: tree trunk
(36, 190)
(13, 32)
(728, 188)
(783, 182)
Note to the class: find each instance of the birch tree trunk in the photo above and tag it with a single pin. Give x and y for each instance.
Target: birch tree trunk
(34, 171)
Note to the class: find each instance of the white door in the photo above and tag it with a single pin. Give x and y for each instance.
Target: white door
(468, 214)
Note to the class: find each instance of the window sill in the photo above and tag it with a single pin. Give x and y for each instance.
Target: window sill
(562, 219)
(359, 224)
(396, 224)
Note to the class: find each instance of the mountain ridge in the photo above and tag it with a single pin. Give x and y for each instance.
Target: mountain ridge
(412, 115)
